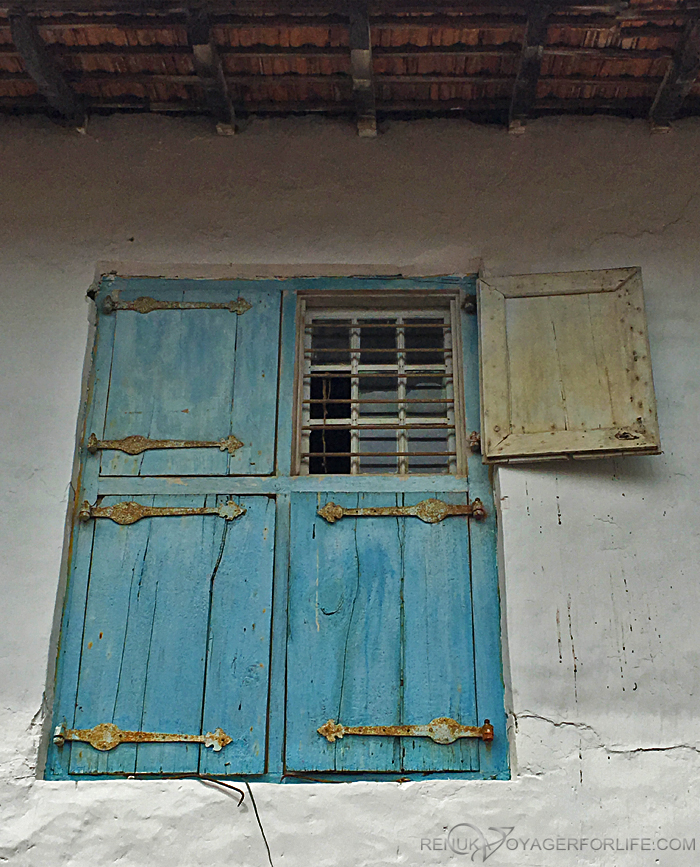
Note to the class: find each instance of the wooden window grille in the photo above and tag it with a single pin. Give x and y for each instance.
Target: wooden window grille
(380, 391)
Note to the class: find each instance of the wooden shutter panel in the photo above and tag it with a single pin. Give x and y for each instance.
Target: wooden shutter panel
(565, 366)
(167, 621)
(380, 633)
(192, 374)
(176, 638)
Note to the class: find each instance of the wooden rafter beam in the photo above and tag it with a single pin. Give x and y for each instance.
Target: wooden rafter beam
(314, 7)
(210, 72)
(361, 69)
(43, 70)
(525, 87)
(264, 51)
(680, 76)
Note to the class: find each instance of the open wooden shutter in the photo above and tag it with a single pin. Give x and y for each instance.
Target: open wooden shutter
(565, 366)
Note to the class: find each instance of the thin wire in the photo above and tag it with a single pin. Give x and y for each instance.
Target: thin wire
(207, 779)
(262, 830)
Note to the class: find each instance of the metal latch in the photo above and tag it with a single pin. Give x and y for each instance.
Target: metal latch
(130, 513)
(148, 305)
(443, 730)
(134, 445)
(107, 736)
(431, 511)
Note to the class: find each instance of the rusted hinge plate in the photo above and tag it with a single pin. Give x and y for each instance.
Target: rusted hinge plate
(443, 730)
(107, 736)
(135, 445)
(148, 305)
(130, 513)
(431, 511)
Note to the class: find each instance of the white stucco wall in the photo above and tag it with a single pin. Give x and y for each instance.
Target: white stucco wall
(599, 558)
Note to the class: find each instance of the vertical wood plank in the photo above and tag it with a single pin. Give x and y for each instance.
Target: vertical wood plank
(439, 655)
(537, 400)
(254, 410)
(238, 647)
(173, 677)
(488, 661)
(494, 372)
(584, 387)
(78, 560)
(115, 574)
(344, 652)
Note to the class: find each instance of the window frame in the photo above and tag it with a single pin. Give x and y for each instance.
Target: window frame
(390, 300)
(487, 646)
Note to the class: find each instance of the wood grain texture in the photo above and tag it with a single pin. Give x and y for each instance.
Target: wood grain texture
(494, 367)
(576, 365)
(185, 605)
(238, 646)
(344, 645)
(162, 594)
(561, 283)
(190, 375)
(380, 633)
(438, 670)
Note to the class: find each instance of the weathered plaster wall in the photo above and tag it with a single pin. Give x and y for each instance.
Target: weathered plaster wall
(599, 558)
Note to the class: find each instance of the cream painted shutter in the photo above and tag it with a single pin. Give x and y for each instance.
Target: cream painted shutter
(565, 366)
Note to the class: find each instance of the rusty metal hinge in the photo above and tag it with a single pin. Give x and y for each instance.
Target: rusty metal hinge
(431, 511)
(130, 513)
(107, 736)
(443, 730)
(148, 305)
(475, 442)
(134, 445)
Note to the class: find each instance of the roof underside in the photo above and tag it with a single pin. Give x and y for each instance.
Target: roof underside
(421, 59)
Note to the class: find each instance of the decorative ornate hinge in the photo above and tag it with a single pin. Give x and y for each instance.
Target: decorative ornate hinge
(107, 736)
(148, 305)
(130, 513)
(431, 511)
(134, 445)
(442, 730)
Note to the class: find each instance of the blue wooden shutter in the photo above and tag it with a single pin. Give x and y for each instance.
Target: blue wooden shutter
(193, 375)
(167, 621)
(380, 633)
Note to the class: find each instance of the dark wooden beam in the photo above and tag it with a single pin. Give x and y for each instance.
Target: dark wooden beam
(43, 70)
(338, 80)
(207, 65)
(313, 7)
(306, 51)
(657, 23)
(361, 69)
(680, 76)
(525, 87)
